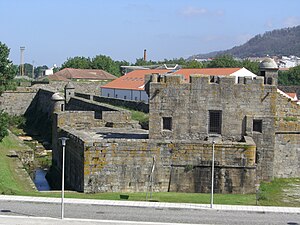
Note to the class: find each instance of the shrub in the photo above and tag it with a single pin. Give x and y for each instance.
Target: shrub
(3, 125)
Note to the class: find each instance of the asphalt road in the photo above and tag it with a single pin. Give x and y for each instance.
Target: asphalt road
(167, 215)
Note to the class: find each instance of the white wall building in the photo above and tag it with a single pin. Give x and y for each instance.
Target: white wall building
(131, 85)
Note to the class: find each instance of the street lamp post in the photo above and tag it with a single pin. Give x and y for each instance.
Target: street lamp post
(212, 174)
(63, 143)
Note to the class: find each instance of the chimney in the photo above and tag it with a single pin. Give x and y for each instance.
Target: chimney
(145, 55)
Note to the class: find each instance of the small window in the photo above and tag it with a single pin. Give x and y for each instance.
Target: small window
(257, 125)
(116, 96)
(215, 121)
(125, 97)
(214, 79)
(167, 123)
(62, 107)
(107, 94)
(269, 80)
(263, 73)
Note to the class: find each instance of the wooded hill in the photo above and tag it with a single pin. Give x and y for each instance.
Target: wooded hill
(279, 42)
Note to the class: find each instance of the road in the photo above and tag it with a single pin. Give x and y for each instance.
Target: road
(150, 214)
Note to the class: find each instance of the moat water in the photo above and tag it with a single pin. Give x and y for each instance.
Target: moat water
(40, 180)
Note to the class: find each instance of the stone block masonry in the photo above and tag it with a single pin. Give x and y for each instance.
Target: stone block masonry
(17, 102)
(124, 165)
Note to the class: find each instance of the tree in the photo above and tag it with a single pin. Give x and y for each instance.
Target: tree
(78, 62)
(3, 125)
(38, 71)
(250, 65)
(105, 63)
(28, 69)
(224, 61)
(290, 77)
(142, 62)
(193, 64)
(7, 69)
(122, 63)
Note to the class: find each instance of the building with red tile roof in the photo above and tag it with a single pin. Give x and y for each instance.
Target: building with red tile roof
(131, 85)
(293, 96)
(82, 74)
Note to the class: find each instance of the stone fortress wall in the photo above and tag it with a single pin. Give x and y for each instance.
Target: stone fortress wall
(287, 139)
(124, 165)
(189, 104)
(106, 151)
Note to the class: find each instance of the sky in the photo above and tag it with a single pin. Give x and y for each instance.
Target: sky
(54, 30)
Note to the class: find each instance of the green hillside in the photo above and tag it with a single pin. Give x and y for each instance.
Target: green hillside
(279, 42)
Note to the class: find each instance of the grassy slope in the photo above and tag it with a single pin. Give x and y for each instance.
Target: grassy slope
(11, 182)
(281, 192)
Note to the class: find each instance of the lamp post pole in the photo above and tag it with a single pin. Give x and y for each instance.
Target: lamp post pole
(212, 174)
(63, 143)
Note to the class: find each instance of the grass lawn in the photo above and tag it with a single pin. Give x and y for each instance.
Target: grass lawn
(280, 192)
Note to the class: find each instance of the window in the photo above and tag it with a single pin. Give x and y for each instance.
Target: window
(215, 121)
(257, 125)
(214, 79)
(107, 94)
(167, 123)
(116, 96)
(125, 97)
(269, 80)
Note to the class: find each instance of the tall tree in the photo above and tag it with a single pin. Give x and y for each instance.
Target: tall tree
(78, 62)
(105, 63)
(7, 69)
(28, 69)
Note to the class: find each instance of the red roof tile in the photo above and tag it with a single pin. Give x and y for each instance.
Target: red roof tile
(206, 71)
(135, 79)
(292, 95)
(87, 74)
(55, 77)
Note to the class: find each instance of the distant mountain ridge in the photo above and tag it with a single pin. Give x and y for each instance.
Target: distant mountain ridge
(278, 42)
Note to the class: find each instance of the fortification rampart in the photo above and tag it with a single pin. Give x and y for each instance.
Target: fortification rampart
(216, 106)
(287, 138)
(17, 102)
(188, 104)
(123, 165)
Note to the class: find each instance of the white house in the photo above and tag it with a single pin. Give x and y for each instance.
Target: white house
(131, 85)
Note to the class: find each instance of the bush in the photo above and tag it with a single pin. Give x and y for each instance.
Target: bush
(3, 125)
(16, 121)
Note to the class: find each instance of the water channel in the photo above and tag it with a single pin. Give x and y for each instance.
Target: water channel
(39, 167)
(40, 181)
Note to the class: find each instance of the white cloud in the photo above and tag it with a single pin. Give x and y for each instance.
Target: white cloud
(291, 21)
(193, 11)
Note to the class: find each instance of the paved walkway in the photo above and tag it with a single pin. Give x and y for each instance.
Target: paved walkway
(21, 220)
(34, 220)
(153, 204)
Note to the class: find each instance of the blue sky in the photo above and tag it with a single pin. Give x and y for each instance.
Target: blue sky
(54, 30)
